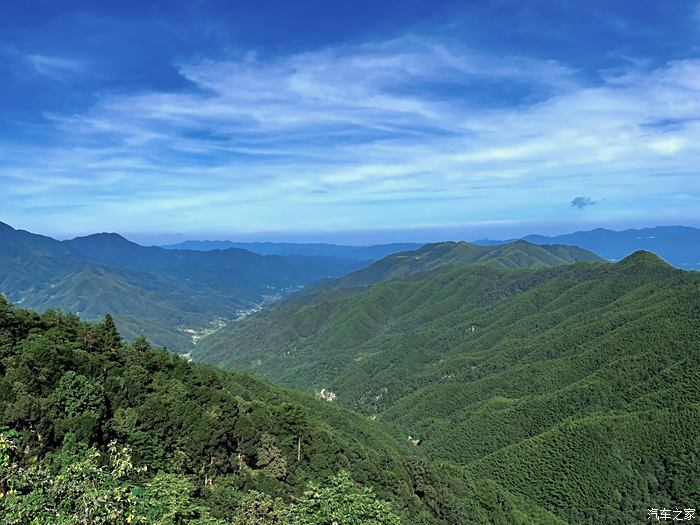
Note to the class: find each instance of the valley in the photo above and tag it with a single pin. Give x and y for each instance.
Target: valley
(150, 291)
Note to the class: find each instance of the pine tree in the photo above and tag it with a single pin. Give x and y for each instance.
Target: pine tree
(109, 333)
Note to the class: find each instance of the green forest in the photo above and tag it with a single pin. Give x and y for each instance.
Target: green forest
(97, 430)
(516, 384)
(575, 387)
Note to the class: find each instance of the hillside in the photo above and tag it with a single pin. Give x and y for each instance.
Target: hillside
(519, 254)
(93, 430)
(166, 295)
(576, 387)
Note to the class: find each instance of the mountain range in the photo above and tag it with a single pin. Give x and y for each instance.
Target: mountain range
(574, 386)
(167, 295)
(360, 253)
(176, 296)
(677, 245)
(512, 382)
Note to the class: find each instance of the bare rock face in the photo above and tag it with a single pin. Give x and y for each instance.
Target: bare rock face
(327, 395)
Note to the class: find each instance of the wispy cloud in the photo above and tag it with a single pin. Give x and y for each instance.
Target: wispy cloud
(53, 66)
(318, 135)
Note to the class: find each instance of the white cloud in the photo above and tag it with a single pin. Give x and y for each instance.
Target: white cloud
(53, 66)
(667, 146)
(395, 120)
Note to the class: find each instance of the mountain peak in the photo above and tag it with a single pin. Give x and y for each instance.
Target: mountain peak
(644, 257)
(103, 236)
(101, 239)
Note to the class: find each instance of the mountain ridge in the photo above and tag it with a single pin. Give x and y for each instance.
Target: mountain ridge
(362, 253)
(179, 293)
(519, 254)
(491, 367)
(678, 245)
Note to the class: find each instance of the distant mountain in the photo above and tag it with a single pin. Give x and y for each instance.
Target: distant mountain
(167, 295)
(567, 385)
(678, 245)
(519, 254)
(241, 269)
(360, 253)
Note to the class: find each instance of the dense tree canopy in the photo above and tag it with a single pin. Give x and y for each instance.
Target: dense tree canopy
(516, 374)
(95, 430)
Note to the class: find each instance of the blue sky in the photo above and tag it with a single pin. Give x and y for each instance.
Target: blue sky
(348, 121)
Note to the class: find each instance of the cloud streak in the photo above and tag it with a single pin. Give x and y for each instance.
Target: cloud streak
(51, 66)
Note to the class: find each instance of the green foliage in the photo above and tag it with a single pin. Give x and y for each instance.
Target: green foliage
(565, 385)
(169, 499)
(196, 443)
(77, 485)
(258, 508)
(340, 502)
(70, 487)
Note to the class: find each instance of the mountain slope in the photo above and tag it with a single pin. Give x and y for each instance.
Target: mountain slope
(208, 439)
(517, 374)
(167, 295)
(245, 345)
(519, 254)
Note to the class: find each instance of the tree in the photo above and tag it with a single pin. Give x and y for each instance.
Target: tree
(78, 486)
(259, 509)
(109, 334)
(73, 486)
(340, 503)
(168, 499)
(270, 459)
(79, 405)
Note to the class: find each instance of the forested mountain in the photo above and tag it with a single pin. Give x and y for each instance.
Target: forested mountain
(576, 387)
(166, 295)
(94, 430)
(519, 254)
(360, 253)
(679, 245)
